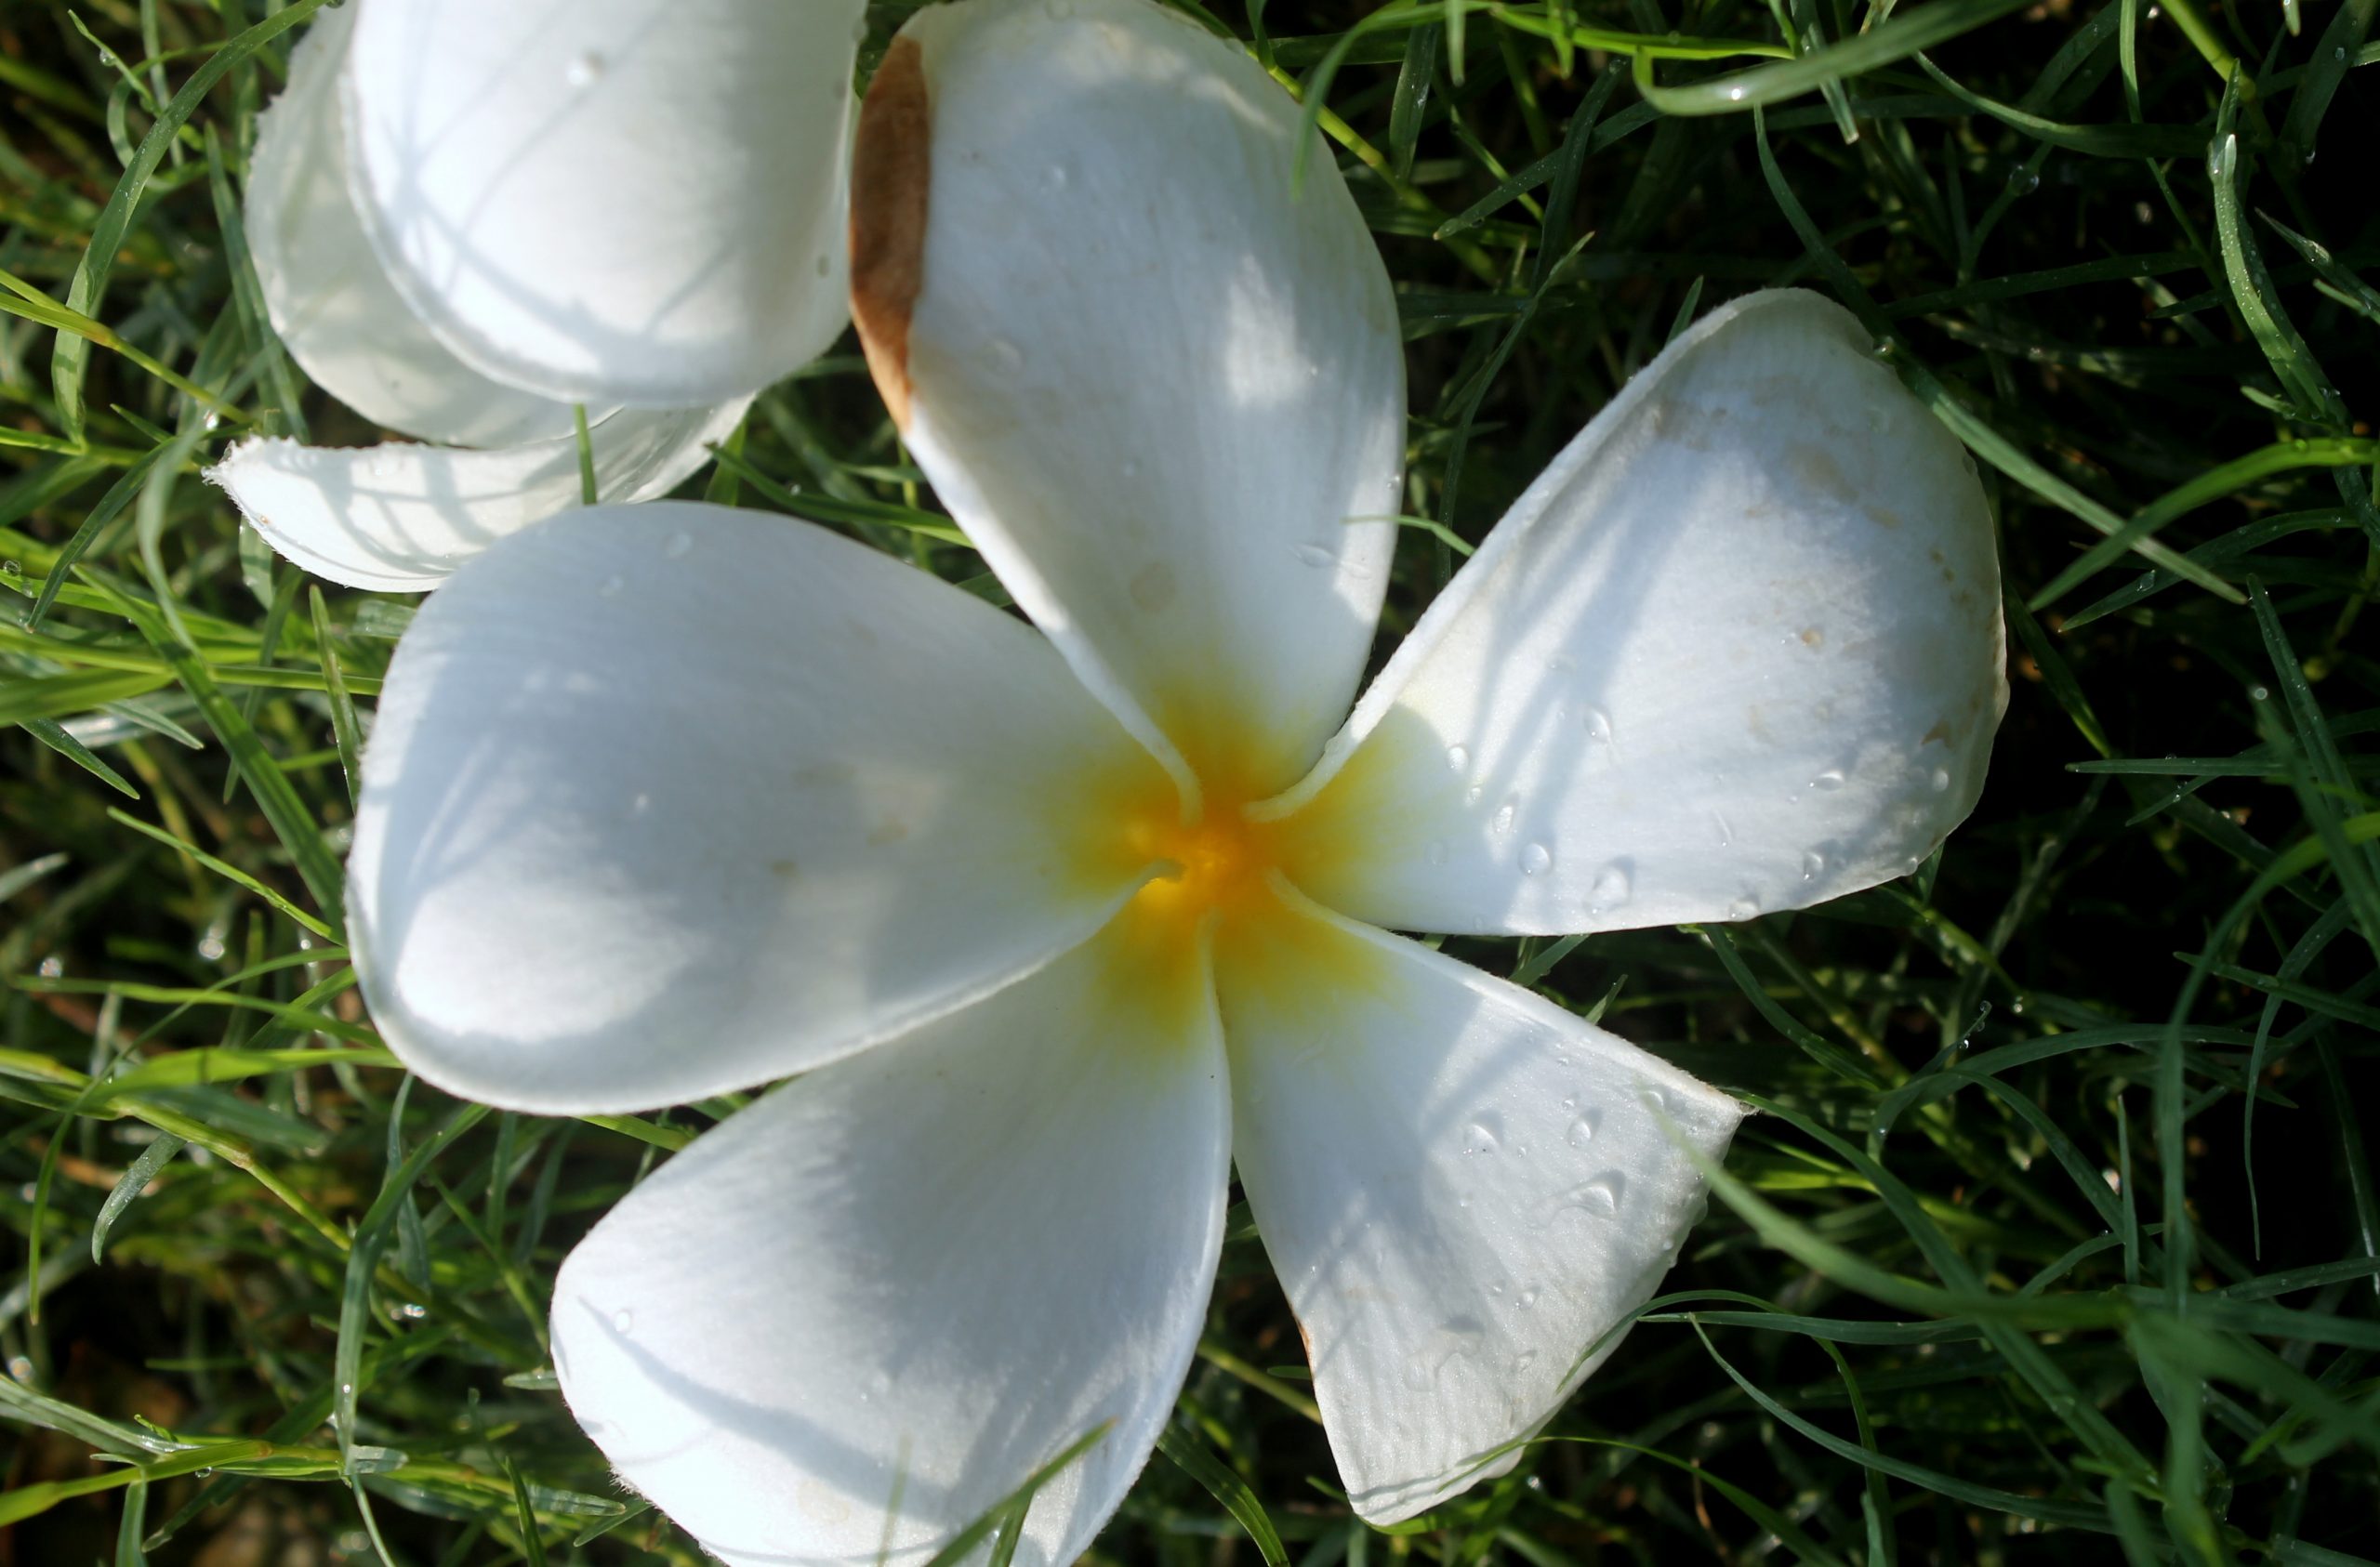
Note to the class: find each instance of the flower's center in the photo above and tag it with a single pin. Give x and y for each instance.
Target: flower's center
(1218, 915)
(1216, 865)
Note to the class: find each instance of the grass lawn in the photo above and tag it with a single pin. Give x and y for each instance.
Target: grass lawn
(2057, 1241)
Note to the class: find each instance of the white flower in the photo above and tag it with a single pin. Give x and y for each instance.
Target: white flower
(468, 216)
(1060, 925)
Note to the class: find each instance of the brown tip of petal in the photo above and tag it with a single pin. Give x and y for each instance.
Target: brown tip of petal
(890, 164)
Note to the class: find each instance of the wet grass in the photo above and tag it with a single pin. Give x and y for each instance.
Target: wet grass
(2058, 1241)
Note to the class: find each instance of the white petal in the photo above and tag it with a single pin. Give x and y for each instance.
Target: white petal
(629, 200)
(921, 1274)
(671, 799)
(400, 518)
(1463, 1188)
(1155, 381)
(334, 307)
(1738, 650)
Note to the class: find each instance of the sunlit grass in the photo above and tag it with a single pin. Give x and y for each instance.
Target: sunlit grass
(2056, 1242)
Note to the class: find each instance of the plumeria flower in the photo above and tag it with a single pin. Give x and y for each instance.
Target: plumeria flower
(1060, 925)
(470, 215)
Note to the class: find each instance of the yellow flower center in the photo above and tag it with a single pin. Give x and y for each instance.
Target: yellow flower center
(1216, 865)
(1211, 922)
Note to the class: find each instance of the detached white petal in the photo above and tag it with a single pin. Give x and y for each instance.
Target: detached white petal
(1156, 383)
(1463, 1188)
(671, 799)
(1738, 650)
(333, 306)
(610, 200)
(400, 518)
(910, 1279)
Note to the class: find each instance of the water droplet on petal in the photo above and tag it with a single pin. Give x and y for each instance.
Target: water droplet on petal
(584, 71)
(1525, 1298)
(1457, 758)
(1536, 860)
(1598, 724)
(611, 586)
(1317, 555)
(1502, 821)
(1830, 779)
(1941, 780)
(1600, 1196)
(623, 1320)
(1745, 907)
(1581, 1132)
(680, 542)
(1005, 356)
(1483, 1134)
(1812, 863)
(1611, 889)
(1437, 852)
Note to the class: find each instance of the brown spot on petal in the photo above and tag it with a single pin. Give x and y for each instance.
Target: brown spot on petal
(1941, 732)
(892, 160)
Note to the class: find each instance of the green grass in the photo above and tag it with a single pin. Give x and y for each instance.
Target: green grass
(2058, 1241)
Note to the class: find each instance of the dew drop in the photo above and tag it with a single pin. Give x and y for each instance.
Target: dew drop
(1437, 852)
(1812, 863)
(1581, 1132)
(1523, 1361)
(640, 804)
(1611, 889)
(1536, 860)
(1941, 780)
(1743, 908)
(1471, 796)
(623, 1320)
(1599, 1196)
(584, 71)
(1598, 724)
(1482, 1135)
(1317, 555)
(1502, 821)
(1525, 1298)
(680, 542)
(1006, 357)
(1457, 758)
(1830, 779)
(612, 586)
